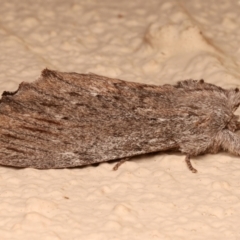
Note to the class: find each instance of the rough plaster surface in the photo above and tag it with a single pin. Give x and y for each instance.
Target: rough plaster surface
(150, 197)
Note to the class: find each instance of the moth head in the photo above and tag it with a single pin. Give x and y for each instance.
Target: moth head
(233, 98)
(234, 102)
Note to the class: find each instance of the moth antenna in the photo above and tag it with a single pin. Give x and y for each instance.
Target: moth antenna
(229, 141)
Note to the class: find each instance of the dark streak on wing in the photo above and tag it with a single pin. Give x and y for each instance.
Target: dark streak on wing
(15, 150)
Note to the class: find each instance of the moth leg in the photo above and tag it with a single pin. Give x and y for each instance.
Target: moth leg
(191, 168)
(118, 164)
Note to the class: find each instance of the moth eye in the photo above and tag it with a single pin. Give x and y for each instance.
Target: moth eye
(236, 89)
(201, 81)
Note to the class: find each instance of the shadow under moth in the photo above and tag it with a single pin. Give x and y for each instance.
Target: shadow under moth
(68, 119)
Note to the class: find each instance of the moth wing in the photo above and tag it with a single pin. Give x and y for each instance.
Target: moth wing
(69, 119)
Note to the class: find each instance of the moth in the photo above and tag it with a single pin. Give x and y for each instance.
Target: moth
(68, 119)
